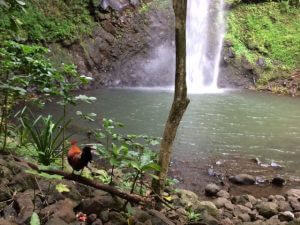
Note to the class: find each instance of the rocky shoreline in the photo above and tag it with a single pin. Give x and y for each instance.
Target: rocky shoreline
(22, 193)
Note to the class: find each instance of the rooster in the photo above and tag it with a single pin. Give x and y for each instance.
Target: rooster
(78, 159)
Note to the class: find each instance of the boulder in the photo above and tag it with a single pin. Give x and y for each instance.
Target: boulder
(242, 179)
(62, 209)
(211, 190)
(98, 204)
(24, 205)
(267, 209)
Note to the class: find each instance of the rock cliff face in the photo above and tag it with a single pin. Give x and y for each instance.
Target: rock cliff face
(129, 48)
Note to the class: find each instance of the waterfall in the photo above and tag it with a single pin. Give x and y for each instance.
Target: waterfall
(205, 32)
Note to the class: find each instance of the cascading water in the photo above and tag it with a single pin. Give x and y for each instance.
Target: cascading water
(205, 31)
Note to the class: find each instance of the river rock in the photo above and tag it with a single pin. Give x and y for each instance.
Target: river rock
(223, 194)
(286, 216)
(244, 217)
(284, 206)
(207, 206)
(242, 179)
(207, 219)
(211, 189)
(267, 209)
(226, 221)
(293, 193)
(278, 181)
(56, 221)
(187, 198)
(6, 222)
(244, 199)
(221, 202)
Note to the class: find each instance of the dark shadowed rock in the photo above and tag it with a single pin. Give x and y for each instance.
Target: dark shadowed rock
(9, 213)
(278, 181)
(141, 215)
(242, 179)
(91, 218)
(211, 190)
(97, 222)
(208, 220)
(117, 218)
(23, 181)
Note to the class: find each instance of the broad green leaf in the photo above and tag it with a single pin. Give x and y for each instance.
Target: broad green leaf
(151, 166)
(62, 188)
(35, 220)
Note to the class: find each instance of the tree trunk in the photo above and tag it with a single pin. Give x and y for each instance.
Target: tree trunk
(180, 101)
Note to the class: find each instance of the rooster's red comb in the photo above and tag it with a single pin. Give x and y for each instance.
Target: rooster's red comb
(73, 142)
